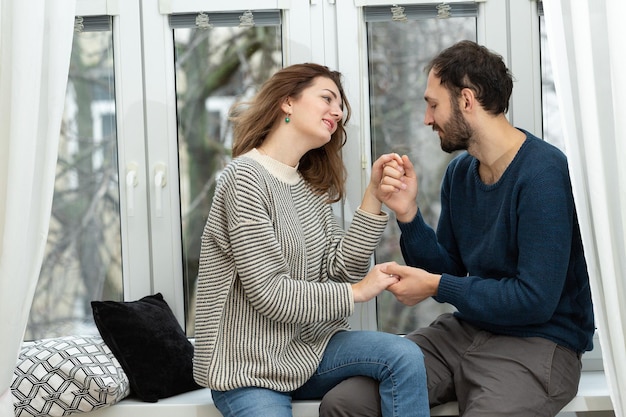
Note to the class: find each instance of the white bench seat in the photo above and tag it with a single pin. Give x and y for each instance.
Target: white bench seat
(593, 396)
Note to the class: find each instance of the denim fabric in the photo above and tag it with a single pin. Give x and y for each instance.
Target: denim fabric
(252, 402)
(394, 361)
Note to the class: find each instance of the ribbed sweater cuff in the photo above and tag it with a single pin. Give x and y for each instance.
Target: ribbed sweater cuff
(450, 289)
(381, 218)
(416, 229)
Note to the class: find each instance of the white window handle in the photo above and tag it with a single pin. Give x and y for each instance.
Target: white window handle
(131, 183)
(160, 181)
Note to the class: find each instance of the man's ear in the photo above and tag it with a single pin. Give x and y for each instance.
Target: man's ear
(468, 99)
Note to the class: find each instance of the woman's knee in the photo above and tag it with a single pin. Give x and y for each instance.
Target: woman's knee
(396, 346)
(409, 348)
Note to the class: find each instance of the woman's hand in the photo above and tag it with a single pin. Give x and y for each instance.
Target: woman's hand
(398, 189)
(386, 179)
(375, 282)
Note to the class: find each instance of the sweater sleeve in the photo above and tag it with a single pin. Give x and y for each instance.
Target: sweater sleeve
(350, 251)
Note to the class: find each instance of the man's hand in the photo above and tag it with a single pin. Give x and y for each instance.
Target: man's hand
(415, 284)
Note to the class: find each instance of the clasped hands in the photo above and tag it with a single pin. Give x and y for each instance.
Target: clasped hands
(394, 179)
(413, 285)
(409, 285)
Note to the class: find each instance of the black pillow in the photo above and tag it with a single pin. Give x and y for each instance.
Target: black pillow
(150, 345)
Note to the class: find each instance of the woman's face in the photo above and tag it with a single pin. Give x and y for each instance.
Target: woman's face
(317, 111)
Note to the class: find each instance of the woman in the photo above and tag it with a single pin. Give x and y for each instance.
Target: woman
(279, 277)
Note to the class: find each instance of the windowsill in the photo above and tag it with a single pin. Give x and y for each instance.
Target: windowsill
(593, 395)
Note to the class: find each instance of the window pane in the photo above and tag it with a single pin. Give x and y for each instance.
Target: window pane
(214, 68)
(552, 131)
(398, 52)
(83, 253)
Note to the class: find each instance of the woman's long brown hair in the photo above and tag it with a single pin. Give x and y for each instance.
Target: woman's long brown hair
(252, 121)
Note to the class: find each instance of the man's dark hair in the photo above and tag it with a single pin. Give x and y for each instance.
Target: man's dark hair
(469, 65)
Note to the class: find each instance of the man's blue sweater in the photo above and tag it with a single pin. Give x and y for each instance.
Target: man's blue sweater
(510, 253)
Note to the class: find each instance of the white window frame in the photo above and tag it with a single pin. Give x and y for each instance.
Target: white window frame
(129, 95)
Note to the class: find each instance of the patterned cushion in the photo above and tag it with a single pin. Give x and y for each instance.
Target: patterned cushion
(61, 376)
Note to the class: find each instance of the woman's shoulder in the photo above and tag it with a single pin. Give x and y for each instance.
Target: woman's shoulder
(242, 168)
(241, 178)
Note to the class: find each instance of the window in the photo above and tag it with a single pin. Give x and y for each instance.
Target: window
(83, 254)
(215, 66)
(400, 42)
(552, 131)
(158, 111)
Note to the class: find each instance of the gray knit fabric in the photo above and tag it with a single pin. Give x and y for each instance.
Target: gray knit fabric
(274, 276)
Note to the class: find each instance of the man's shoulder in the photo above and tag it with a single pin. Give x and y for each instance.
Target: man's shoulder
(460, 164)
(462, 159)
(541, 147)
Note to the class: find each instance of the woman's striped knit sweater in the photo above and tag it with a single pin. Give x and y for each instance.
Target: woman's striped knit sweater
(273, 284)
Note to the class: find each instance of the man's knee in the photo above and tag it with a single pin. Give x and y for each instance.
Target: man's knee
(354, 397)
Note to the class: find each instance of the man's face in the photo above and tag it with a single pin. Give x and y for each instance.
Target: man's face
(445, 116)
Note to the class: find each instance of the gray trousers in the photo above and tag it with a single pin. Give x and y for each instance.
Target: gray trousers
(489, 375)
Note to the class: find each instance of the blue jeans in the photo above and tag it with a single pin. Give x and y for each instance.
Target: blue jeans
(396, 362)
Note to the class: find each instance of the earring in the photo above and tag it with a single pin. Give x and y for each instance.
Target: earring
(287, 119)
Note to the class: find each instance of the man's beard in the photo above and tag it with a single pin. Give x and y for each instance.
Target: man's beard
(456, 133)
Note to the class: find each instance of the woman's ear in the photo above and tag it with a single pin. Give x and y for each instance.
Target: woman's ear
(286, 106)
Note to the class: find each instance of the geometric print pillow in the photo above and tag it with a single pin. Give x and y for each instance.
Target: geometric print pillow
(65, 375)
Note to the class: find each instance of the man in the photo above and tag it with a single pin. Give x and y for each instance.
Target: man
(507, 254)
